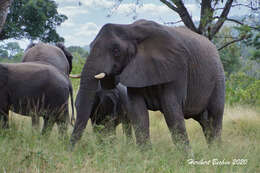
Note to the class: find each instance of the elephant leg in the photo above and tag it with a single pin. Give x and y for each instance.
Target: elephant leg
(4, 117)
(205, 123)
(48, 124)
(62, 123)
(127, 130)
(215, 115)
(174, 118)
(139, 118)
(35, 122)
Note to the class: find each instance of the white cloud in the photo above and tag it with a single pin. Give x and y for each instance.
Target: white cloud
(71, 11)
(82, 35)
(148, 8)
(98, 3)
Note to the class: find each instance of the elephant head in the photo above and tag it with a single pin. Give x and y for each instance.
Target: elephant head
(137, 54)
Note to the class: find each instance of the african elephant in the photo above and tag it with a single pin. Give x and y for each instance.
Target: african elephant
(43, 53)
(58, 56)
(38, 90)
(170, 69)
(109, 110)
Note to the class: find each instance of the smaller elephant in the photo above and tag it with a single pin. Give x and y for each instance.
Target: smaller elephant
(56, 55)
(38, 90)
(111, 109)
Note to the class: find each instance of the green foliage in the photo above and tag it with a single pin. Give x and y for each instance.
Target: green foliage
(78, 51)
(11, 52)
(243, 89)
(33, 19)
(231, 55)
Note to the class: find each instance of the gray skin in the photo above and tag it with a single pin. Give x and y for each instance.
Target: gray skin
(110, 109)
(170, 69)
(55, 55)
(58, 56)
(30, 88)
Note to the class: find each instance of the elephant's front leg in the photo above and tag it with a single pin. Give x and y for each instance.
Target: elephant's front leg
(139, 118)
(127, 129)
(174, 118)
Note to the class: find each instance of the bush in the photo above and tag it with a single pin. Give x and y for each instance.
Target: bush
(242, 88)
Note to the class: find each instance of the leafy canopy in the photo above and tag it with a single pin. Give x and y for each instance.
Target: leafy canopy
(33, 19)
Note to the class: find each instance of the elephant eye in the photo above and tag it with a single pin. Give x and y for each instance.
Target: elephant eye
(116, 52)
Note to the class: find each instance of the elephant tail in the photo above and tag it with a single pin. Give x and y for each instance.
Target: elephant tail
(72, 104)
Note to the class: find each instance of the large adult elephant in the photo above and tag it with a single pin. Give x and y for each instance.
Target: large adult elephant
(57, 55)
(170, 69)
(35, 89)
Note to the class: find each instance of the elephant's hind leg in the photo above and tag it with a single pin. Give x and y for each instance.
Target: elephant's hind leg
(4, 118)
(47, 125)
(35, 122)
(62, 122)
(215, 111)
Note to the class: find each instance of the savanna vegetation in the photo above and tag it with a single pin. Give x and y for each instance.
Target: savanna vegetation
(24, 150)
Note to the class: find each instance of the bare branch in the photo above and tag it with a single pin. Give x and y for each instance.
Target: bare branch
(171, 6)
(221, 19)
(184, 15)
(238, 22)
(233, 41)
(172, 23)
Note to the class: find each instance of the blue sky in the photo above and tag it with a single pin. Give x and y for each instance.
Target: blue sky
(85, 20)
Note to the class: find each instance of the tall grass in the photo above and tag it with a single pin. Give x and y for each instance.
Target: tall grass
(23, 150)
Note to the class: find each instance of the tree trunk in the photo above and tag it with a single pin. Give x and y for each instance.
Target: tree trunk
(4, 6)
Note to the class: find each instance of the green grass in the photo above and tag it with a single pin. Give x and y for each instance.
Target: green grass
(22, 150)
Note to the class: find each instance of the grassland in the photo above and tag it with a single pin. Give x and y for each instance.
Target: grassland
(22, 150)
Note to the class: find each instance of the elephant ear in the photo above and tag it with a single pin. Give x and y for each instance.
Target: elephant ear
(3, 75)
(160, 56)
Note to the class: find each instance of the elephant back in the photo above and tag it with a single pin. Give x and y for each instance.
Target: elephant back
(49, 54)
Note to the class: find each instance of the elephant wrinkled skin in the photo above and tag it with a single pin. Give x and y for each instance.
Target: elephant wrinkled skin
(35, 89)
(170, 69)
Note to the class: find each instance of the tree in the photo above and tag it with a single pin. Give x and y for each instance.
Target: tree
(231, 56)
(213, 14)
(78, 50)
(33, 19)
(4, 6)
(10, 50)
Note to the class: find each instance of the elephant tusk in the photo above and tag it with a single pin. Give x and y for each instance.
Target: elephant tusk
(75, 76)
(100, 75)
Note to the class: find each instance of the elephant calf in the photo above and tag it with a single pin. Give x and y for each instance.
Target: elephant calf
(38, 90)
(110, 110)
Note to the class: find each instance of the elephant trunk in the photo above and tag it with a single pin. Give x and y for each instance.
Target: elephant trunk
(84, 102)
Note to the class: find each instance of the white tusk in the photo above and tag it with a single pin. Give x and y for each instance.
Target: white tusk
(100, 75)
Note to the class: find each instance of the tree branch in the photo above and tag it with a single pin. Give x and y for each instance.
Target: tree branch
(233, 41)
(171, 6)
(239, 22)
(221, 19)
(206, 14)
(184, 15)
